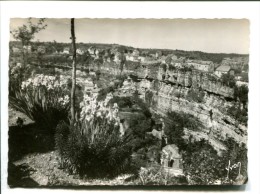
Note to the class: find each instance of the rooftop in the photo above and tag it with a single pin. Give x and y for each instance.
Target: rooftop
(200, 62)
(223, 68)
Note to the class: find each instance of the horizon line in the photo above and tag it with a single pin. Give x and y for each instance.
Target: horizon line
(136, 47)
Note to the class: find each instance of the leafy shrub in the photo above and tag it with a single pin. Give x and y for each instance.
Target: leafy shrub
(95, 146)
(122, 101)
(43, 99)
(228, 80)
(236, 153)
(202, 164)
(139, 102)
(241, 93)
(103, 92)
(238, 114)
(175, 123)
(116, 84)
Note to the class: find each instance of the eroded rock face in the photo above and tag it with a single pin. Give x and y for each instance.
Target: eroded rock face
(218, 126)
(170, 90)
(156, 71)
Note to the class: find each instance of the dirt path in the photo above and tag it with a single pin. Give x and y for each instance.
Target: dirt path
(32, 161)
(44, 170)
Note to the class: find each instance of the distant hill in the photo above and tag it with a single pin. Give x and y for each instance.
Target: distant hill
(198, 55)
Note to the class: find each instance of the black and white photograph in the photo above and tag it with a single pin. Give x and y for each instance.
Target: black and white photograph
(128, 102)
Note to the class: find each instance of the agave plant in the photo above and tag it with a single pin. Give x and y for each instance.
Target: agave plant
(94, 146)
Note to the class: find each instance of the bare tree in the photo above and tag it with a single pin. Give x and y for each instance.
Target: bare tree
(73, 88)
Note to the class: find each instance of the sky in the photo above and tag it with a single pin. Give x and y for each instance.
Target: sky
(207, 35)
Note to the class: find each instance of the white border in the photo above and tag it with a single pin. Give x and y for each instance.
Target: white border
(249, 10)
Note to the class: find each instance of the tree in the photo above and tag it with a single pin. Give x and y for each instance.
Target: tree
(241, 93)
(73, 88)
(202, 164)
(228, 80)
(26, 33)
(175, 122)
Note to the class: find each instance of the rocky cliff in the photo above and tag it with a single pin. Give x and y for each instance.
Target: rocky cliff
(157, 71)
(211, 110)
(191, 92)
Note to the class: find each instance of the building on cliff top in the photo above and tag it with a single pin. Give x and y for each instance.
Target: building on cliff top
(91, 50)
(80, 51)
(205, 66)
(222, 69)
(158, 54)
(66, 50)
(235, 62)
(119, 57)
(136, 53)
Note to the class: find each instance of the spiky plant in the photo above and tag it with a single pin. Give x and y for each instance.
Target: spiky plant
(94, 146)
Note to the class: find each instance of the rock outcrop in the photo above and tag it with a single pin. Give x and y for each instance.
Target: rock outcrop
(211, 111)
(170, 90)
(157, 71)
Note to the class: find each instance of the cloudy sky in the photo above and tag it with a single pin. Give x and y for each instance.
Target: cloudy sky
(208, 35)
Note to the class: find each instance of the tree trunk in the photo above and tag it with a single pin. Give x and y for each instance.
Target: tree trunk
(73, 88)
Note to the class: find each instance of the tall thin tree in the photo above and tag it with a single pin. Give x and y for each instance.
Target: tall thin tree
(25, 34)
(73, 88)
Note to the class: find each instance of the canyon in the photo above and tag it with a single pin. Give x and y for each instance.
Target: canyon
(170, 90)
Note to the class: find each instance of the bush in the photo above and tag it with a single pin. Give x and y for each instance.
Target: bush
(122, 101)
(240, 115)
(43, 99)
(174, 127)
(94, 146)
(241, 94)
(95, 155)
(202, 164)
(139, 102)
(236, 153)
(228, 80)
(103, 92)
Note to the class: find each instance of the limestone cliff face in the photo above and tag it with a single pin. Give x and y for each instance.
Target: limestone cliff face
(194, 79)
(218, 127)
(171, 91)
(157, 71)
